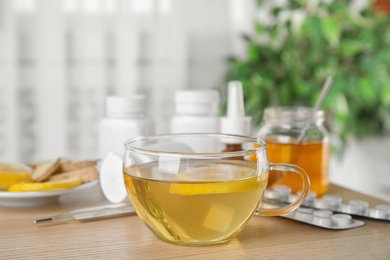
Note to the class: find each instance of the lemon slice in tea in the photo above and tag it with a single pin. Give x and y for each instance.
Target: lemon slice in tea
(216, 180)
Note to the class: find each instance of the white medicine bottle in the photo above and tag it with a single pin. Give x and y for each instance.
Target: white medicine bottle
(125, 119)
(196, 111)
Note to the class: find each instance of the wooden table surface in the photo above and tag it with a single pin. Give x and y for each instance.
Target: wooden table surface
(128, 238)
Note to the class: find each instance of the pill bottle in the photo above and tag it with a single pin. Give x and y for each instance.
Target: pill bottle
(196, 111)
(125, 119)
(281, 128)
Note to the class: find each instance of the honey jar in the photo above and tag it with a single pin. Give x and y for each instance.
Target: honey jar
(281, 128)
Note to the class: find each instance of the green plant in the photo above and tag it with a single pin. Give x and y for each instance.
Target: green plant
(289, 59)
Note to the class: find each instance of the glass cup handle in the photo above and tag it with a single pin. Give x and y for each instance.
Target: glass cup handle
(305, 189)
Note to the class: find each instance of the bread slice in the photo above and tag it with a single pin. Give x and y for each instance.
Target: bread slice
(62, 161)
(85, 174)
(44, 170)
(72, 166)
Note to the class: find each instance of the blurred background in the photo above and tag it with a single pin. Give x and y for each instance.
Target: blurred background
(59, 59)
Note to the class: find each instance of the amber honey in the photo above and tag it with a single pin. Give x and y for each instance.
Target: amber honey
(313, 157)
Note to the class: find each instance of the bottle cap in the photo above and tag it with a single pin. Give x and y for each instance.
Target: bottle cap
(235, 121)
(125, 106)
(111, 179)
(197, 102)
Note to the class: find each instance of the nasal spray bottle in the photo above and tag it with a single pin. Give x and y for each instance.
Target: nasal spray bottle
(235, 121)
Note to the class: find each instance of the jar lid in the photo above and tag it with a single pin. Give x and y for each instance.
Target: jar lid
(291, 114)
(125, 106)
(197, 102)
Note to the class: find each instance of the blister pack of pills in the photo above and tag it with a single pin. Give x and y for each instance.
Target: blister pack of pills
(330, 211)
(324, 218)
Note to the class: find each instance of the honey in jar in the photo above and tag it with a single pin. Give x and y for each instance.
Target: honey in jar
(281, 129)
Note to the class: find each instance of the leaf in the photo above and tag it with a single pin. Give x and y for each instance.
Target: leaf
(338, 6)
(259, 28)
(385, 97)
(254, 52)
(313, 28)
(367, 91)
(276, 11)
(350, 47)
(331, 31)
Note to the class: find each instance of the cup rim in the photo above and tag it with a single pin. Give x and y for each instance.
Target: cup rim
(245, 139)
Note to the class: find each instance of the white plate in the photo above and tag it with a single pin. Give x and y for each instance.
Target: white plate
(36, 198)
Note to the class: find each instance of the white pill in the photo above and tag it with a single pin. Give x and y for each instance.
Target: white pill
(336, 200)
(282, 188)
(303, 215)
(305, 210)
(292, 198)
(291, 214)
(341, 220)
(322, 218)
(269, 194)
(361, 203)
(378, 213)
(351, 209)
(364, 206)
(324, 222)
(323, 213)
(323, 204)
(309, 201)
(283, 192)
(384, 207)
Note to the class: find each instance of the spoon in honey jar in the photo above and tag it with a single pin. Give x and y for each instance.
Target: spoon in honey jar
(324, 93)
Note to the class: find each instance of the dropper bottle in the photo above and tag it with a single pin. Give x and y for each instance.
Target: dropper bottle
(235, 122)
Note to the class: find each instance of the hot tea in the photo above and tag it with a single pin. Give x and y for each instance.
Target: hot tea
(205, 202)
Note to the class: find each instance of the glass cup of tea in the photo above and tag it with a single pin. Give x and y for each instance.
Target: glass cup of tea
(190, 191)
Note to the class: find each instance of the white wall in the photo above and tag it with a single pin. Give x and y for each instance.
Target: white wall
(60, 58)
(365, 167)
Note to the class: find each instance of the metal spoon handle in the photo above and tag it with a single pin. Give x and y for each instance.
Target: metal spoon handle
(324, 92)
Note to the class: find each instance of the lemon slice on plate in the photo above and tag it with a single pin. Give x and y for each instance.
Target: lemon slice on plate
(45, 186)
(11, 174)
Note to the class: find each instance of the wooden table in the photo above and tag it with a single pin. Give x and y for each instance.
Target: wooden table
(128, 238)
